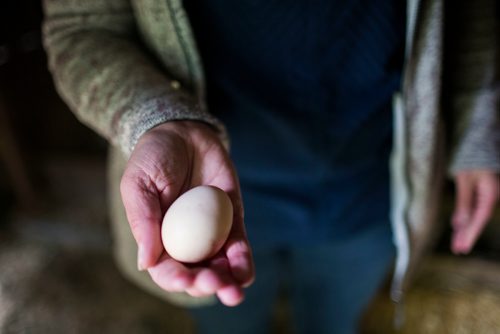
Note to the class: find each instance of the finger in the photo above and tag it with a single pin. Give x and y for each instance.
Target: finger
(195, 292)
(240, 260)
(209, 280)
(463, 200)
(486, 197)
(217, 279)
(171, 275)
(142, 206)
(237, 247)
(231, 295)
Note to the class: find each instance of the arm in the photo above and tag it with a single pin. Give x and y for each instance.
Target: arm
(473, 88)
(101, 70)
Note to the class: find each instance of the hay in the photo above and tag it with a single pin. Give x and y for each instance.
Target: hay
(451, 295)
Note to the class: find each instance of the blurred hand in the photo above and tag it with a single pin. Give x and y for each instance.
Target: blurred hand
(167, 161)
(477, 193)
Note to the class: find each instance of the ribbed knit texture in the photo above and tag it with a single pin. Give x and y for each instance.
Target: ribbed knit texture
(270, 67)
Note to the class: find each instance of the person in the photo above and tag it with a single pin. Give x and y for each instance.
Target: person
(343, 120)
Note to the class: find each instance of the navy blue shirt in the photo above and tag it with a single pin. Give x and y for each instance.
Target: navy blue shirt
(305, 90)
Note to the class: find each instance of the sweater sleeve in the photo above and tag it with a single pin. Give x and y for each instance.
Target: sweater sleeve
(473, 85)
(105, 75)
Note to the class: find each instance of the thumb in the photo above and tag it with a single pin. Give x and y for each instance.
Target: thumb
(142, 206)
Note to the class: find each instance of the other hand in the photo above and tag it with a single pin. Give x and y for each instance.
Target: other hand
(477, 193)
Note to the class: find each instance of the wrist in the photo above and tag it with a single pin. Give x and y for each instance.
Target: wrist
(183, 127)
(194, 133)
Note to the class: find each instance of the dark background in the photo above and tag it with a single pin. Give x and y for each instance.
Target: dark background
(35, 124)
(39, 117)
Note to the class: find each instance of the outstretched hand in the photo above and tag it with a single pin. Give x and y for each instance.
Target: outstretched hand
(477, 194)
(167, 161)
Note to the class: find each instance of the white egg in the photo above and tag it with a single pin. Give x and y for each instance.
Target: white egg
(197, 224)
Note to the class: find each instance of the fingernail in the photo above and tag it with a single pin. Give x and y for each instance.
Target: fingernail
(140, 259)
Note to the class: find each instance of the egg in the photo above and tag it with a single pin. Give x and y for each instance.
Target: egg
(197, 224)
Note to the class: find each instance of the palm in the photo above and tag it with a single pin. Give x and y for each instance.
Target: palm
(167, 162)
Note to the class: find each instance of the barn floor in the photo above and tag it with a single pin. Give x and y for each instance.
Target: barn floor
(57, 274)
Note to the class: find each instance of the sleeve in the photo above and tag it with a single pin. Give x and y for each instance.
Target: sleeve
(473, 87)
(105, 75)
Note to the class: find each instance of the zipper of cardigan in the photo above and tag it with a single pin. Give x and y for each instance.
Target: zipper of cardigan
(399, 203)
(411, 17)
(399, 178)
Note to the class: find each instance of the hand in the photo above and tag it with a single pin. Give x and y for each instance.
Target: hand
(476, 196)
(167, 161)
